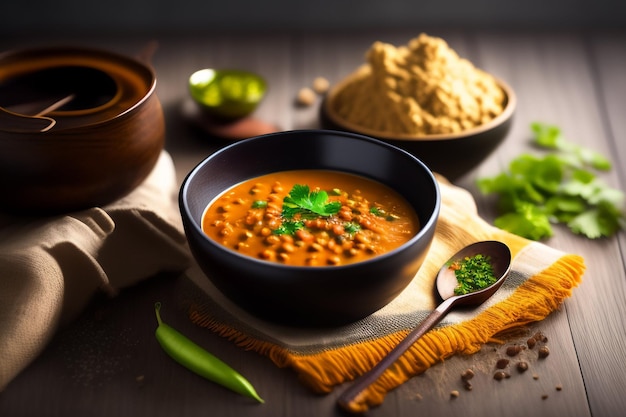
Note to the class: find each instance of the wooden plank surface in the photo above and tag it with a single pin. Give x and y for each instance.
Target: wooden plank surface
(556, 81)
(107, 363)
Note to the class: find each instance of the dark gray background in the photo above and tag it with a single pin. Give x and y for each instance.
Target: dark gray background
(150, 16)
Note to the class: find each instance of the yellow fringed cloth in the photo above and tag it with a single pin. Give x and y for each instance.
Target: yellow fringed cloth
(541, 279)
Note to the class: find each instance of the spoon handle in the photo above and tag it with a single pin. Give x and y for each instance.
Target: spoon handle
(368, 378)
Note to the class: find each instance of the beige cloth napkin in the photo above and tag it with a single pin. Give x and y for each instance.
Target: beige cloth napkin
(51, 267)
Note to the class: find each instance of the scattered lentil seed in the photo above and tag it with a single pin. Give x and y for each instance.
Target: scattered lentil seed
(320, 85)
(559, 387)
(454, 394)
(467, 385)
(522, 366)
(500, 375)
(502, 363)
(535, 377)
(544, 397)
(467, 375)
(543, 352)
(306, 96)
(513, 350)
(531, 342)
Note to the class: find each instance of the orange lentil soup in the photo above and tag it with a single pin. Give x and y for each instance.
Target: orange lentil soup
(310, 218)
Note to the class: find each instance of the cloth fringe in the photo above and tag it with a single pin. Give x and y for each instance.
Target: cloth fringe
(532, 301)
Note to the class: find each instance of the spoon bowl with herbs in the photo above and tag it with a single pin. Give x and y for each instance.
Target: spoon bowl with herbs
(468, 279)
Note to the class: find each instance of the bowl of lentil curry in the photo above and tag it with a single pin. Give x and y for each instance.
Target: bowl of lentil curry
(424, 98)
(312, 227)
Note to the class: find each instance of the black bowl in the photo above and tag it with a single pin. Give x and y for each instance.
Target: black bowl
(451, 155)
(318, 296)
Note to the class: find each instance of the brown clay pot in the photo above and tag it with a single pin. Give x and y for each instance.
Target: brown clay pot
(98, 145)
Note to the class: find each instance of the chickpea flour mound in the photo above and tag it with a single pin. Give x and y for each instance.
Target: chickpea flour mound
(422, 88)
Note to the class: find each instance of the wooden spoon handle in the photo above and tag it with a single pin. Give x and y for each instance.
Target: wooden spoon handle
(26, 123)
(56, 105)
(368, 378)
(17, 123)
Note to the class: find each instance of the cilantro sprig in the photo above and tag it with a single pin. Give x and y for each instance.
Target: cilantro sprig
(561, 186)
(303, 204)
(288, 227)
(308, 204)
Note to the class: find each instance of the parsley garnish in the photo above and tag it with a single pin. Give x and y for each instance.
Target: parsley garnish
(378, 212)
(351, 227)
(558, 187)
(472, 273)
(259, 204)
(308, 204)
(288, 227)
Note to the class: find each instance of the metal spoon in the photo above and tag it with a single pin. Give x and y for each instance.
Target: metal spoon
(500, 256)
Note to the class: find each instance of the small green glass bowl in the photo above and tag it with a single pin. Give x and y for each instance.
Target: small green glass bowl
(227, 94)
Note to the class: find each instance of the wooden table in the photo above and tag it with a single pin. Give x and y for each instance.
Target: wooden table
(108, 364)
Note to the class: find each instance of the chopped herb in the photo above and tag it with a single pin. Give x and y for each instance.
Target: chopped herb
(336, 191)
(288, 227)
(351, 227)
(259, 204)
(391, 217)
(473, 273)
(559, 187)
(377, 211)
(308, 204)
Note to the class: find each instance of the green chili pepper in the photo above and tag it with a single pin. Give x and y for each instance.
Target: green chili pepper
(198, 360)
